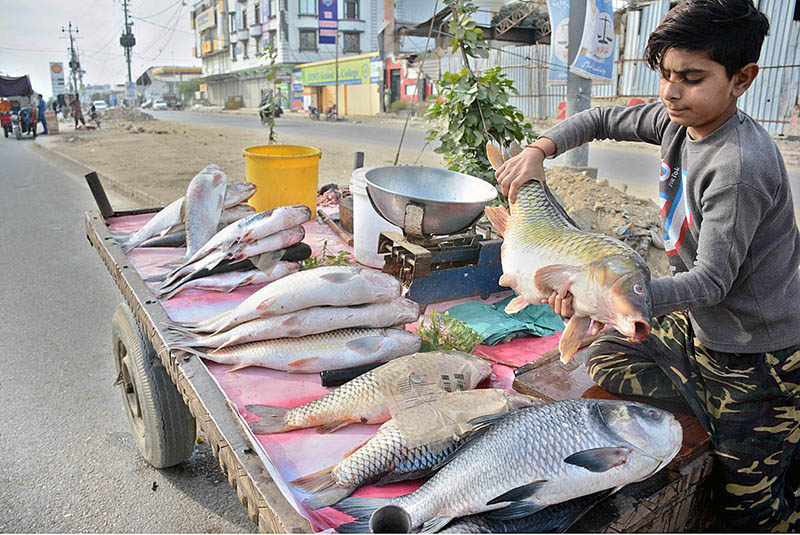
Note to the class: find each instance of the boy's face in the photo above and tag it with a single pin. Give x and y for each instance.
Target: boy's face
(697, 91)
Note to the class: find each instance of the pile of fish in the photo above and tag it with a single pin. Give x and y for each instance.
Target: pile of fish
(545, 251)
(515, 465)
(327, 318)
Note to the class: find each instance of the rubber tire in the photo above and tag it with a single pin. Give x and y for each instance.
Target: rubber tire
(5, 132)
(161, 424)
(18, 133)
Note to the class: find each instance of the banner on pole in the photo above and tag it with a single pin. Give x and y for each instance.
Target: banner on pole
(328, 22)
(559, 41)
(595, 59)
(57, 78)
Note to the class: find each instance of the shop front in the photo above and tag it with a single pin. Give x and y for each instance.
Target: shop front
(358, 84)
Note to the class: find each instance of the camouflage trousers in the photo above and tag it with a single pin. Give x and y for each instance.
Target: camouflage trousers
(749, 403)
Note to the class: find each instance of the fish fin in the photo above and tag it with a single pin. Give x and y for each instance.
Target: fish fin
(498, 217)
(506, 279)
(366, 345)
(166, 296)
(302, 365)
(494, 153)
(339, 278)
(273, 419)
(156, 278)
(265, 305)
(237, 367)
(322, 487)
(435, 524)
(569, 512)
(572, 337)
(291, 321)
(360, 509)
(555, 277)
(394, 477)
(515, 305)
(181, 337)
(599, 459)
(514, 511)
(514, 149)
(236, 340)
(330, 427)
(520, 493)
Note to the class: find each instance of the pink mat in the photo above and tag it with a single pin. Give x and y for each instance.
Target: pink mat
(291, 455)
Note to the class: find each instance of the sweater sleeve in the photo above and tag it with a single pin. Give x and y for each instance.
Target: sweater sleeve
(646, 123)
(731, 216)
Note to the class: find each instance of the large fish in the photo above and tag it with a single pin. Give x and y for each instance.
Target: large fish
(177, 234)
(227, 282)
(544, 251)
(304, 322)
(203, 206)
(533, 458)
(332, 350)
(368, 398)
(396, 453)
(322, 286)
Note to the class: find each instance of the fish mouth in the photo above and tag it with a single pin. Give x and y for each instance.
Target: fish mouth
(641, 330)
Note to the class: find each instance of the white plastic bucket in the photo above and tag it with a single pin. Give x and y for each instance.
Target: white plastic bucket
(367, 223)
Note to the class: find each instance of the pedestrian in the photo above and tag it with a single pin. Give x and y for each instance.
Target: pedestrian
(42, 106)
(75, 104)
(725, 338)
(55, 105)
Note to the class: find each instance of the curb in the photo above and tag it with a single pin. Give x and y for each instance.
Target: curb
(108, 181)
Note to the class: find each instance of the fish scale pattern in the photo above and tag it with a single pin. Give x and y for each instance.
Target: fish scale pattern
(344, 402)
(386, 453)
(536, 224)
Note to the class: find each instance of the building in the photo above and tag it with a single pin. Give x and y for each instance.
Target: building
(163, 82)
(231, 34)
(358, 85)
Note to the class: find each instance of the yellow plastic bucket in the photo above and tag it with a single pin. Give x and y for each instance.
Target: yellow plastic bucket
(284, 175)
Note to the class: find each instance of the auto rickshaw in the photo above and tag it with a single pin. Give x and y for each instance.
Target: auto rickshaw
(18, 113)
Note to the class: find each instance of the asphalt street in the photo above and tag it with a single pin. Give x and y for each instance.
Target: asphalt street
(68, 462)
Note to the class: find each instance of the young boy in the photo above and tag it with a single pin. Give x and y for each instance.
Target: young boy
(726, 332)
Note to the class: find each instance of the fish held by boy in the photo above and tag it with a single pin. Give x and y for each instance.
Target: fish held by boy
(533, 458)
(397, 453)
(333, 350)
(369, 397)
(544, 252)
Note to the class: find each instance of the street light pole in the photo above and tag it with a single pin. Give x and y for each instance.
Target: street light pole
(336, 46)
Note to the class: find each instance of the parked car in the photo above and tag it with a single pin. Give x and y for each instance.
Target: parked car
(147, 103)
(160, 104)
(100, 106)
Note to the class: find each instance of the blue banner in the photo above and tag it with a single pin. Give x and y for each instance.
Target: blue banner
(559, 41)
(595, 59)
(328, 22)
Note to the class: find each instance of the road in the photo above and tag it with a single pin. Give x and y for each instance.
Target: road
(67, 460)
(638, 168)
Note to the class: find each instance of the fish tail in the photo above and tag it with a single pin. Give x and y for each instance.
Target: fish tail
(498, 217)
(170, 293)
(183, 337)
(156, 278)
(495, 154)
(361, 509)
(323, 487)
(273, 419)
(192, 350)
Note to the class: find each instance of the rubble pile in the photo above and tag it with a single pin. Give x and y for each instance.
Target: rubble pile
(121, 114)
(598, 207)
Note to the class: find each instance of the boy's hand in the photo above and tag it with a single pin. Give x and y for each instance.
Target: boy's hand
(526, 166)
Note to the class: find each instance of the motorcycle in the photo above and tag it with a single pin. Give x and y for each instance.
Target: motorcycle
(313, 114)
(330, 115)
(21, 122)
(264, 110)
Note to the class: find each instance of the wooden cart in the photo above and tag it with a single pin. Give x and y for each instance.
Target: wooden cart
(168, 393)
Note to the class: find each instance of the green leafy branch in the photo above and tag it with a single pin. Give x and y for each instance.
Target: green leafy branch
(444, 332)
(326, 258)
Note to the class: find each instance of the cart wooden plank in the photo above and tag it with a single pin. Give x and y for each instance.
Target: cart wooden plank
(219, 422)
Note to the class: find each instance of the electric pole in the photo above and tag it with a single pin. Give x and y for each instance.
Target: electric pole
(126, 40)
(579, 89)
(74, 64)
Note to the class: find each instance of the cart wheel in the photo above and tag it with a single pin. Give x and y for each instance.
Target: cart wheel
(18, 133)
(161, 423)
(5, 131)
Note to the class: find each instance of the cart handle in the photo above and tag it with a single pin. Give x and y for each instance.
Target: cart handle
(99, 194)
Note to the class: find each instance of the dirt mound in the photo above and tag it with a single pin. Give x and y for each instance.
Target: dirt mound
(598, 207)
(134, 115)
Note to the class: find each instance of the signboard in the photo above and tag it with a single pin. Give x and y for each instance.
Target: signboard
(559, 41)
(264, 12)
(375, 70)
(595, 59)
(130, 91)
(352, 72)
(328, 22)
(206, 19)
(57, 79)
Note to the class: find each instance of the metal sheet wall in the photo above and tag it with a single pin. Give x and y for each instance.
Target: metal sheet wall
(770, 100)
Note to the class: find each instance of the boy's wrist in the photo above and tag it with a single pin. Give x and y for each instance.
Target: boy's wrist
(540, 149)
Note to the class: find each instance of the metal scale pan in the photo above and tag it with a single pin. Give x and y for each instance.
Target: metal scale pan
(439, 256)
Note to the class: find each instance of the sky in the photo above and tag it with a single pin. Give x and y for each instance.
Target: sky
(31, 38)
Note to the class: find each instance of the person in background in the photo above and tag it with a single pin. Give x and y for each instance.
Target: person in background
(75, 104)
(725, 337)
(42, 106)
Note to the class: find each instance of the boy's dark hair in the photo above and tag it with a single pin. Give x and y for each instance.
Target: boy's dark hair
(731, 31)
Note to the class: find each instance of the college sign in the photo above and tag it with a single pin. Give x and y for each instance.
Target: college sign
(328, 21)
(352, 72)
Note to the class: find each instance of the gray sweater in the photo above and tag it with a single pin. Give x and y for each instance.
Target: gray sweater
(729, 227)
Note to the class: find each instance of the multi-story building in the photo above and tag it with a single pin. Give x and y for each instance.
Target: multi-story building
(230, 35)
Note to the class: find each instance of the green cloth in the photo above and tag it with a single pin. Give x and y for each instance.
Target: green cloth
(495, 326)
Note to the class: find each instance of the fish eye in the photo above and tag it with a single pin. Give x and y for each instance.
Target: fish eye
(638, 288)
